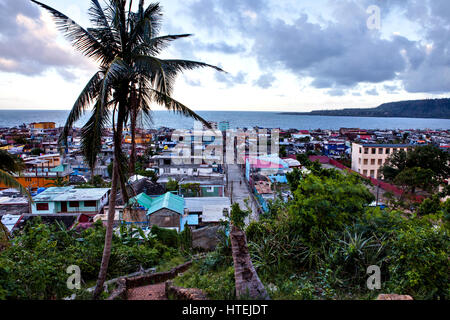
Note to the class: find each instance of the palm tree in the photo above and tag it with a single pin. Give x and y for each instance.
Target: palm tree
(126, 45)
(58, 182)
(10, 164)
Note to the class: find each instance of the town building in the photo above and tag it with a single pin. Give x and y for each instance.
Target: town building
(70, 200)
(368, 158)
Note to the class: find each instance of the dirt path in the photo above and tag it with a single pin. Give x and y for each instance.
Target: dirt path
(150, 292)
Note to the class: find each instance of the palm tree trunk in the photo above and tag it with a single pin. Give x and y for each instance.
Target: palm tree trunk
(112, 203)
(109, 232)
(133, 142)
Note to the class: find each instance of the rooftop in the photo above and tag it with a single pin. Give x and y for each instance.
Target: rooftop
(71, 194)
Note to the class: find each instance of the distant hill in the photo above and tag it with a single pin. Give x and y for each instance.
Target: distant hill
(432, 108)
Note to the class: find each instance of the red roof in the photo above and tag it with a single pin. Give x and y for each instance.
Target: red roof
(321, 159)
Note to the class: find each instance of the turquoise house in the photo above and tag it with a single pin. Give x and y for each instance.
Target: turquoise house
(70, 200)
(166, 211)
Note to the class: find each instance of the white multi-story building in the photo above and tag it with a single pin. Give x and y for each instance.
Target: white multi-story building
(368, 158)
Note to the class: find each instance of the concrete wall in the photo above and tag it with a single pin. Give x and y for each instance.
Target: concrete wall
(368, 160)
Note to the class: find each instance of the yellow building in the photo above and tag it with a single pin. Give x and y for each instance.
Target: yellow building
(42, 125)
(140, 139)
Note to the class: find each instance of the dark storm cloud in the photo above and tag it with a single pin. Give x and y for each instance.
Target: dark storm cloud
(26, 46)
(341, 52)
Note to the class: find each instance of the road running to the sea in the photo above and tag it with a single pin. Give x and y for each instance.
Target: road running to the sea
(240, 190)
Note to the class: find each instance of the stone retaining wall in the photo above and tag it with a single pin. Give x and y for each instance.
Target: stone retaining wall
(179, 293)
(139, 281)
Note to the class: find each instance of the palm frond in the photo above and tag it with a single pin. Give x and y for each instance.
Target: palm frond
(182, 65)
(147, 24)
(86, 97)
(176, 106)
(103, 31)
(155, 45)
(116, 71)
(9, 162)
(11, 182)
(92, 132)
(80, 38)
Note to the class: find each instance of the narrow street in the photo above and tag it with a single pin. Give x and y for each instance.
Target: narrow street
(240, 191)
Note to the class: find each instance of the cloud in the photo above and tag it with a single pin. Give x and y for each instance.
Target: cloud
(372, 92)
(28, 42)
(339, 51)
(265, 81)
(192, 82)
(336, 92)
(231, 80)
(391, 89)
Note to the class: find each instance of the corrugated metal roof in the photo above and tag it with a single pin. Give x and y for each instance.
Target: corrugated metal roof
(198, 204)
(143, 200)
(167, 201)
(70, 194)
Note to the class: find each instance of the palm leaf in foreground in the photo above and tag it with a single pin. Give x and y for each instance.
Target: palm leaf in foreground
(9, 180)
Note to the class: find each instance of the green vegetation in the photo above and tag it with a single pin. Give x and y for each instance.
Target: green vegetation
(10, 164)
(172, 185)
(320, 244)
(423, 167)
(430, 108)
(34, 266)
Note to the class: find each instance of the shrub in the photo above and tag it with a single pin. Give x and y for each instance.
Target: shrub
(419, 261)
(167, 237)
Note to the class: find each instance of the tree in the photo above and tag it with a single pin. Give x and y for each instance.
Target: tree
(126, 45)
(423, 167)
(172, 185)
(395, 164)
(10, 164)
(413, 178)
(58, 182)
(325, 204)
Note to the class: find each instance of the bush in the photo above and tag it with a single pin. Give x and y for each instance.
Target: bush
(167, 237)
(34, 267)
(419, 261)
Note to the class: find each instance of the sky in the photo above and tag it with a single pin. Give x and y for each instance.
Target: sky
(280, 55)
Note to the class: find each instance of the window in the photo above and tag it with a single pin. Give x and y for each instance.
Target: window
(74, 204)
(366, 161)
(366, 150)
(380, 151)
(372, 162)
(372, 173)
(365, 172)
(374, 151)
(41, 206)
(394, 150)
(359, 160)
(90, 203)
(380, 162)
(360, 150)
(388, 150)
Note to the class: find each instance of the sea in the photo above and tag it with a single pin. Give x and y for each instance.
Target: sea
(236, 119)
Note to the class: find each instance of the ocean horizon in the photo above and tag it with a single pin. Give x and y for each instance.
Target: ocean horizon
(237, 119)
